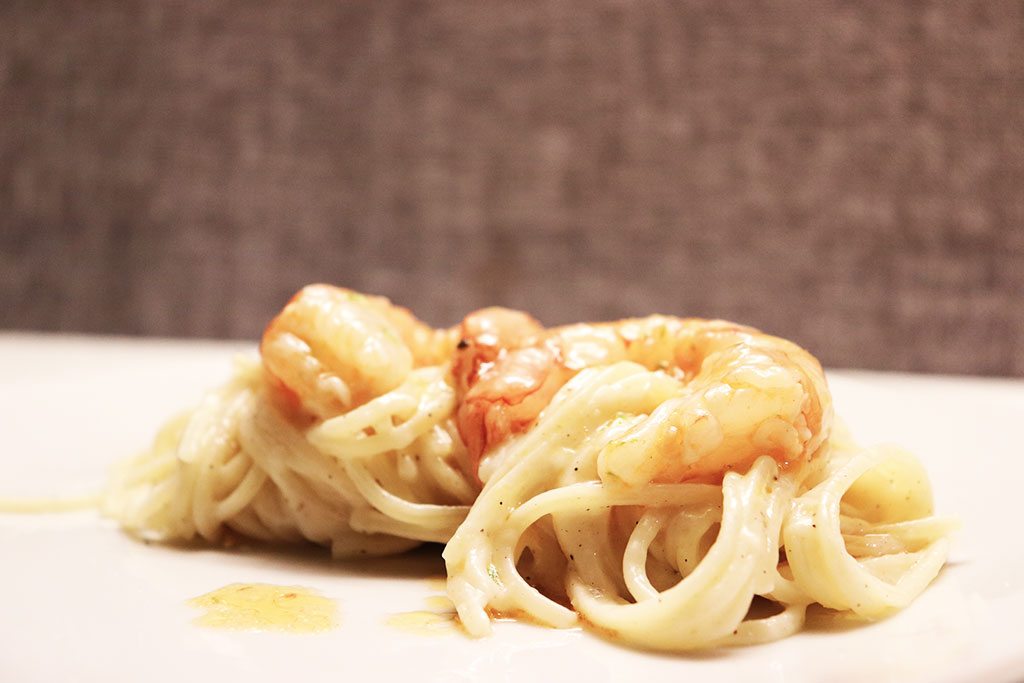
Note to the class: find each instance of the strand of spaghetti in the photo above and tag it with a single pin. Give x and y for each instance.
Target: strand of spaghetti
(212, 426)
(270, 514)
(249, 523)
(754, 631)
(516, 593)
(597, 494)
(277, 445)
(785, 590)
(910, 530)
(206, 438)
(243, 493)
(634, 559)
(229, 480)
(437, 447)
(818, 557)
(686, 538)
(211, 489)
(316, 494)
(315, 517)
(710, 602)
(428, 521)
(423, 400)
(219, 465)
(864, 540)
(182, 503)
(371, 521)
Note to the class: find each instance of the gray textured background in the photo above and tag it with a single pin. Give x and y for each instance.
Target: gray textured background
(847, 174)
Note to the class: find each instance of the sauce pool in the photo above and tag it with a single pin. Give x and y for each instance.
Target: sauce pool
(266, 607)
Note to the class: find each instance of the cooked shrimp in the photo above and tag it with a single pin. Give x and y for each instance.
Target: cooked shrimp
(744, 393)
(508, 368)
(504, 374)
(752, 395)
(331, 349)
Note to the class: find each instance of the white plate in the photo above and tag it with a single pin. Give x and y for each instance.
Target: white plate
(81, 601)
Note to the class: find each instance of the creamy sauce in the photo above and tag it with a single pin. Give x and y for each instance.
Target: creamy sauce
(438, 618)
(423, 623)
(440, 603)
(266, 607)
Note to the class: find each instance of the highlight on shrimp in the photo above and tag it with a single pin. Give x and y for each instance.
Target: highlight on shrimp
(652, 477)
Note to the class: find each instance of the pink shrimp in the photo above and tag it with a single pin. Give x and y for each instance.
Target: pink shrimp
(505, 376)
(331, 349)
(744, 393)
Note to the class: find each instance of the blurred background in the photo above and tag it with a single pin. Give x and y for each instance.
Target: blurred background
(846, 174)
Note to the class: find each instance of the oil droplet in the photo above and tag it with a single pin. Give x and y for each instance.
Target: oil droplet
(439, 617)
(440, 603)
(423, 623)
(266, 607)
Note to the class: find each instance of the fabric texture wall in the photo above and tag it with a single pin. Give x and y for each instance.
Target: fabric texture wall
(846, 174)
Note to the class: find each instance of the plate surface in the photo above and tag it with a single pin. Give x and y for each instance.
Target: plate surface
(85, 602)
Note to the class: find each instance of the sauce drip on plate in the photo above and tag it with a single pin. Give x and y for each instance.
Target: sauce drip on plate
(438, 618)
(266, 607)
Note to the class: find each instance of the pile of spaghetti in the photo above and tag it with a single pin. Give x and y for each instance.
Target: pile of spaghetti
(652, 478)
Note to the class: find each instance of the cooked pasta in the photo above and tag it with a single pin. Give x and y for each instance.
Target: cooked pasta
(652, 478)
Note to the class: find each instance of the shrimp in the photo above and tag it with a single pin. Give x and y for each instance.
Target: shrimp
(504, 376)
(508, 367)
(744, 393)
(331, 349)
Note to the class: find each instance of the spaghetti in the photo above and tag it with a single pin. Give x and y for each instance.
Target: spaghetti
(652, 478)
